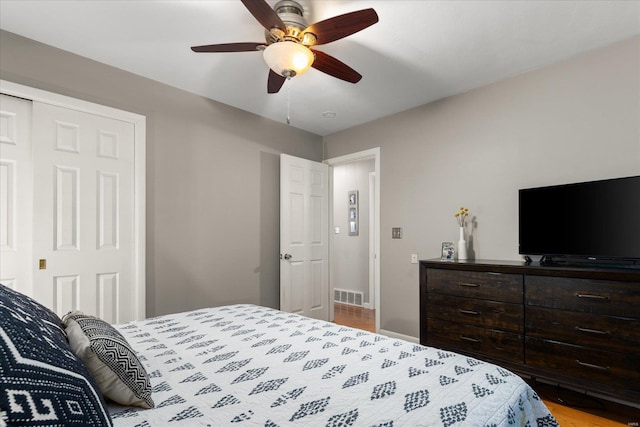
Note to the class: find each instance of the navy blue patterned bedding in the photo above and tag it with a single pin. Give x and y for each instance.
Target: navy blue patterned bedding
(42, 383)
(246, 365)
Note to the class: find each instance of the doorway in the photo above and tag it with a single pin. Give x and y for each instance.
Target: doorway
(354, 256)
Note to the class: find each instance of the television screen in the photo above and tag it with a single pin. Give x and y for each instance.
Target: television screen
(589, 219)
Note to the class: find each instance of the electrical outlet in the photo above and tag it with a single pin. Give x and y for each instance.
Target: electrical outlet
(414, 258)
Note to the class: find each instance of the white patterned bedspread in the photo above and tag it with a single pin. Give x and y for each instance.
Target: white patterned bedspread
(247, 365)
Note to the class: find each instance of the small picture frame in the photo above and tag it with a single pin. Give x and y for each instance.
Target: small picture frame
(353, 198)
(448, 251)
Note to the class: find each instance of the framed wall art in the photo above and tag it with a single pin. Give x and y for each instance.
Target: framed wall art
(353, 213)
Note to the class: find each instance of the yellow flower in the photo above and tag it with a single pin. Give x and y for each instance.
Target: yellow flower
(461, 215)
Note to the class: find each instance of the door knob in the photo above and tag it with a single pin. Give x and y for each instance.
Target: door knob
(287, 257)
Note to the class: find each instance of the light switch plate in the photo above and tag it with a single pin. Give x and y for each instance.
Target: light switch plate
(336, 230)
(414, 258)
(396, 232)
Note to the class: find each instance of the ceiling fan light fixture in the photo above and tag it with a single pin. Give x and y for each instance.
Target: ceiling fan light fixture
(288, 58)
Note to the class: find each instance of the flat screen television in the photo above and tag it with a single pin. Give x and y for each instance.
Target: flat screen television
(587, 221)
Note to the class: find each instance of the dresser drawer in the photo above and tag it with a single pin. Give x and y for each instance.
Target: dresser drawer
(491, 314)
(476, 284)
(603, 332)
(586, 295)
(475, 340)
(614, 369)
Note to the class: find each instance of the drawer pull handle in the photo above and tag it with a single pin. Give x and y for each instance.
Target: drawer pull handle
(469, 285)
(592, 331)
(589, 365)
(462, 337)
(590, 296)
(475, 313)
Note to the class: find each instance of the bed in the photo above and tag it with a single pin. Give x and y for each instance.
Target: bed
(248, 365)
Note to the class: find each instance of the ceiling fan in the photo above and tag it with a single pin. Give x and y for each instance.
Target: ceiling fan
(288, 47)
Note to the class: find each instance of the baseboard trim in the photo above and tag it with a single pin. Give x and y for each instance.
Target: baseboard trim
(396, 335)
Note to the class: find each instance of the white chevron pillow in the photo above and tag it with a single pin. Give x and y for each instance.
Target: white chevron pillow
(110, 359)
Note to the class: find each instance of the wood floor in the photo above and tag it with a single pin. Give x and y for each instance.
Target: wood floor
(571, 409)
(355, 317)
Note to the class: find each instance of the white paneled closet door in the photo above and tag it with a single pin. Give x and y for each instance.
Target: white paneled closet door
(15, 194)
(83, 212)
(72, 194)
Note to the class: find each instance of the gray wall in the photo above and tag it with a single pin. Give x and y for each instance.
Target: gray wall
(350, 254)
(576, 120)
(212, 178)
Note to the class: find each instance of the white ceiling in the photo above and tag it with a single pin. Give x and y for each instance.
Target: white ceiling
(420, 51)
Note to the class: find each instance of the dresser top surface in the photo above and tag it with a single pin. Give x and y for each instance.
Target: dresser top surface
(534, 268)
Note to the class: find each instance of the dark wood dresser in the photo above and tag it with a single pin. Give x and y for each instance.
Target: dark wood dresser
(575, 326)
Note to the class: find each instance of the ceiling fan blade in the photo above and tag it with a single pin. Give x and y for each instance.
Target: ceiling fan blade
(341, 26)
(228, 47)
(275, 82)
(332, 66)
(263, 13)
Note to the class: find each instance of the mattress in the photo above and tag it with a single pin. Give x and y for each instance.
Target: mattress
(247, 365)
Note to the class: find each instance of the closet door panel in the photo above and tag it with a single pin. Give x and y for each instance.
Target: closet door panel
(15, 194)
(84, 212)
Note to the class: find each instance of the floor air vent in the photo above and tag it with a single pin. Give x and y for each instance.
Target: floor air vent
(345, 296)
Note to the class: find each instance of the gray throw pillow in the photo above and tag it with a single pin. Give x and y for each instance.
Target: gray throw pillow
(112, 362)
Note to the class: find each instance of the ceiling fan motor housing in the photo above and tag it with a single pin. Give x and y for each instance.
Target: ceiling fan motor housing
(291, 14)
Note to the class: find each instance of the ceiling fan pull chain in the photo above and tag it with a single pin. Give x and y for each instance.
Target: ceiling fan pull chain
(289, 102)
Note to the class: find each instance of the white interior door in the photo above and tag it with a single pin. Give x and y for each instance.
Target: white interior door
(15, 194)
(304, 248)
(83, 212)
